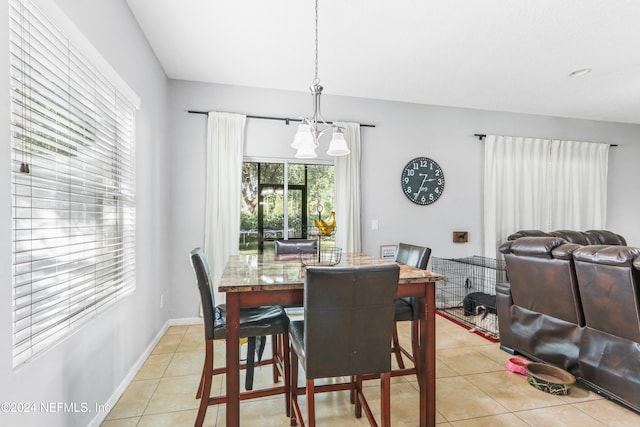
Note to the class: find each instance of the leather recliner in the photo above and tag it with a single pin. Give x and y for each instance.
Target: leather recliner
(609, 283)
(539, 310)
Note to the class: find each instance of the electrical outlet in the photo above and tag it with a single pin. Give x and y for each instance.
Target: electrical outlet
(161, 300)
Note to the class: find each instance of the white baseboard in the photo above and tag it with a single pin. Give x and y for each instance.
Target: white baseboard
(101, 415)
(185, 321)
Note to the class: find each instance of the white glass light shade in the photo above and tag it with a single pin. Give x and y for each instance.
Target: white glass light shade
(303, 136)
(338, 146)
(306, 151)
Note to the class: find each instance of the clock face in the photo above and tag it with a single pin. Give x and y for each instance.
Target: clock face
(422, 181)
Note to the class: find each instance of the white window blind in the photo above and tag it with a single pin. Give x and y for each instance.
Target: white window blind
(73, 183)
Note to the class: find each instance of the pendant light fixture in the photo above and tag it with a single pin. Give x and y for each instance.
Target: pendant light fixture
(311, 129)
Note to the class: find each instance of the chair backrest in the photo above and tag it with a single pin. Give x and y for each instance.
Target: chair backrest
(414, 256)
(291, 247)
(610, 289)
(542, 277)
(201, 268)
(349, 314)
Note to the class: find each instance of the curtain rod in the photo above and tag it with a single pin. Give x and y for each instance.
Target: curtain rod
(482, 136)
(284, 119)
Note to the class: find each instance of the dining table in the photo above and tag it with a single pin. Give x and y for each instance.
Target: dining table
(266, 279)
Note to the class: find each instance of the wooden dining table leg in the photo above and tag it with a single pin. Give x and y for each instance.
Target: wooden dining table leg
(233, 360)
(427, 382)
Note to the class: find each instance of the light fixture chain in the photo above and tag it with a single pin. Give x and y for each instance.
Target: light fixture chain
(316, 80)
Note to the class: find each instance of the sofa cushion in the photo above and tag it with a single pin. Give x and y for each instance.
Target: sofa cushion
(609, 289)
(532, 246)
(606, 237)
(607, 255)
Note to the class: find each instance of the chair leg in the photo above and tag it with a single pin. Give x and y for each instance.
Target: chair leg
(204, 372)
(294, 408)
(311, 403)
(396, 346)
(287, 373)
(352, 392)
(276, 350)
(357, 380)
(260, 347)
(251, 354)
(385, 399)
(205, 383)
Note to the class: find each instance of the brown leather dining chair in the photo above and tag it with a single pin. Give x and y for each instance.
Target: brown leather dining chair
(254, 322)
(406, 308)
(346, 332)
(288, 249)
(291, 248)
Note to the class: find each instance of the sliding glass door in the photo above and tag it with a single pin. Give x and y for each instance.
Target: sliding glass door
(271, 210)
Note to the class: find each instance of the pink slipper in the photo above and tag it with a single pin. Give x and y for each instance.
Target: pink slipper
(516, 364)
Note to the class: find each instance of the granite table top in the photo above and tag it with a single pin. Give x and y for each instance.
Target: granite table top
(258, 272)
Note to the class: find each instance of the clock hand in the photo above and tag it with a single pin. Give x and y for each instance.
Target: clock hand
(421, 185)
(425, 178)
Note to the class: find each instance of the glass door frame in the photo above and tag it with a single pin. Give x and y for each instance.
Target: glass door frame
(286, 163)
(285, 225)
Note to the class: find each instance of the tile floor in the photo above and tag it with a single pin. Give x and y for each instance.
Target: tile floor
(473, 389)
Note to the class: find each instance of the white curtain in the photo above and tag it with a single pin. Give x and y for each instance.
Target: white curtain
(579, 177)
(347, 198)
(225, 141)
(541, 184)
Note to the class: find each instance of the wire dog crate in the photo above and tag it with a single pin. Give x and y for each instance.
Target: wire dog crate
(468, 293)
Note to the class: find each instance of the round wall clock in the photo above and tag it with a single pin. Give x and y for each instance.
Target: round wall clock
(422, 181)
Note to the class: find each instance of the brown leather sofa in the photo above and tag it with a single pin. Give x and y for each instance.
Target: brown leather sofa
(589, 237)
(575, 306)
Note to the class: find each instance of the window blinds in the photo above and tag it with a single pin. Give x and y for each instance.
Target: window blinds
(73, 183)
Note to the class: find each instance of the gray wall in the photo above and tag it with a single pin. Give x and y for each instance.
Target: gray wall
(403, 131)
(90, 365)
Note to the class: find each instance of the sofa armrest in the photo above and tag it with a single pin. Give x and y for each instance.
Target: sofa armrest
(504, 302)
(503, 288)
(505, 248)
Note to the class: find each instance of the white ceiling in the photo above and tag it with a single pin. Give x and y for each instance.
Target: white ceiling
(504, 55)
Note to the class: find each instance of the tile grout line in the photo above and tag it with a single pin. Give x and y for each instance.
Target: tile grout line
(173, 353)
